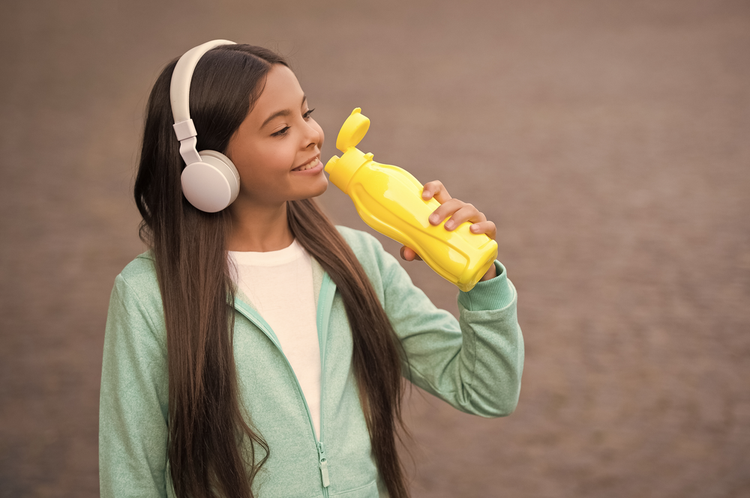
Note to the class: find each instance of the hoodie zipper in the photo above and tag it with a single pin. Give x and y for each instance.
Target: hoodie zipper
(323, 313)
(322, 317)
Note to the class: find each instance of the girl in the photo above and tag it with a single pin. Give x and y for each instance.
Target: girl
(257, 350)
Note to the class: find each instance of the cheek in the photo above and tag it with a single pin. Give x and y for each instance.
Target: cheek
(281, 157)
(243, 157)
(266, 159)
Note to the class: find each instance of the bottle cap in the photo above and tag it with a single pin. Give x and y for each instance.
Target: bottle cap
(353, 130)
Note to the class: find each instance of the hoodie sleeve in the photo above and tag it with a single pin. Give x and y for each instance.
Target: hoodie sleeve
(474, 363)
(133, 412)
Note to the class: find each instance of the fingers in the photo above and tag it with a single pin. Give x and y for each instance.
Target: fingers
(456, 212)
(486, 227)
(409, 254)
(435, 189)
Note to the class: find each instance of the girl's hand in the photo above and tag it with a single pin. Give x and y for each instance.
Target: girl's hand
(456, 212)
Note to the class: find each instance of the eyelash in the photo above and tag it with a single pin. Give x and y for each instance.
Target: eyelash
(283, 131)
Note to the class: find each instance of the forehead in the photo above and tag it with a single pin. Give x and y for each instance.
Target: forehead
(281, 92)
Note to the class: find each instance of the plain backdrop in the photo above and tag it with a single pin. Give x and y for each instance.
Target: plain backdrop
(609, 141)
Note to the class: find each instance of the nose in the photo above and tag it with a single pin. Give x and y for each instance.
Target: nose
(313, 134)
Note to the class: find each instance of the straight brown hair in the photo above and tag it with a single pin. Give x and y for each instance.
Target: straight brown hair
(213, 448)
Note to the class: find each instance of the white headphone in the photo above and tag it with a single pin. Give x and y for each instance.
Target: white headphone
(210, 181)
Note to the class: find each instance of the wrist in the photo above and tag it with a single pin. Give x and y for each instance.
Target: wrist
(491, 273)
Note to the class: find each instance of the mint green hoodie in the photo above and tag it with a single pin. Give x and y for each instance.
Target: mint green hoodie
(474, 364)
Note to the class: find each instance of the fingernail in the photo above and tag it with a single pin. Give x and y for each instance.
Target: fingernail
(449, 225)
(434, 218)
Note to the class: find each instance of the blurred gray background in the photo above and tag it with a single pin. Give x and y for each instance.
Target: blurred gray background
(609, 141)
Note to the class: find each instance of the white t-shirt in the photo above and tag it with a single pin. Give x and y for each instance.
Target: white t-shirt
(279, 284)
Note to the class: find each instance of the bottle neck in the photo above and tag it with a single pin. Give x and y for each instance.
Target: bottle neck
(342, 169)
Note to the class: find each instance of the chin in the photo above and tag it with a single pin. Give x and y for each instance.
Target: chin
(321, 188)
(317, 191)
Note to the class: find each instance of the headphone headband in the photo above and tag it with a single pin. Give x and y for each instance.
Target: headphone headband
(179, 95)
(179, 91)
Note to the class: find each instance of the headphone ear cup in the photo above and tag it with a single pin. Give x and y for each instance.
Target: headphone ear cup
(211, 184)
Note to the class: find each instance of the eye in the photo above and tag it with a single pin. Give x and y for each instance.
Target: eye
(308, 113)
(281, 132)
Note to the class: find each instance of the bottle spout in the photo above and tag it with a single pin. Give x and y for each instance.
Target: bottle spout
(331, 164)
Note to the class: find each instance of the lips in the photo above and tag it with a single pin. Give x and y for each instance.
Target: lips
(309, 164)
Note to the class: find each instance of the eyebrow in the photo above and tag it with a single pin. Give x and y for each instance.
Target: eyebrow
(285, 112)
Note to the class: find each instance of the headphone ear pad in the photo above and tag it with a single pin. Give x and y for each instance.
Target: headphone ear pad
(211, 184)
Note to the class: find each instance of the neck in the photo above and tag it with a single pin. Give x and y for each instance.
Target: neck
(259, 229)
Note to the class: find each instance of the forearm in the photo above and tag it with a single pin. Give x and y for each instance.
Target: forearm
(475, 364)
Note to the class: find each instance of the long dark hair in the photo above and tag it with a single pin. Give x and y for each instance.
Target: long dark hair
(207, 428)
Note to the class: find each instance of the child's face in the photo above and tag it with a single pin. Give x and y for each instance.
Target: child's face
(277, 147)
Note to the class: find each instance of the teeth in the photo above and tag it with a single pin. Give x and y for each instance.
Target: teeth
(308, 166)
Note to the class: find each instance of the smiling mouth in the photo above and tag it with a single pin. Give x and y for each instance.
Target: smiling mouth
(309, 165)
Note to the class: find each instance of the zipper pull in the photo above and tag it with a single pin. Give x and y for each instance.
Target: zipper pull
(324, 472)
(323, 465)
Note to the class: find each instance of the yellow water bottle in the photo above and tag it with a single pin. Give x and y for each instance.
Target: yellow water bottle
(389, 199)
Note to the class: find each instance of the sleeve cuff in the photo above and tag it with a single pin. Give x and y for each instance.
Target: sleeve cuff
(495, 293)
